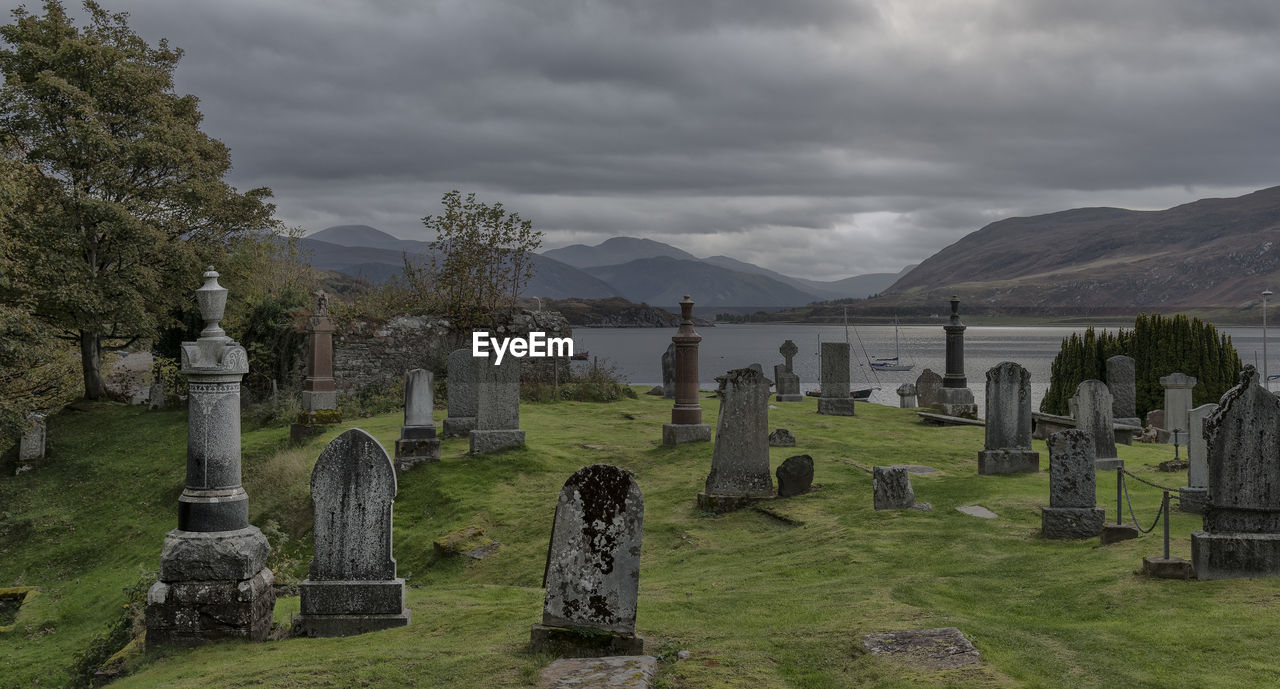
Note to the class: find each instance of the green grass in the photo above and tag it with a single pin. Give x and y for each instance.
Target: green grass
(760, 601)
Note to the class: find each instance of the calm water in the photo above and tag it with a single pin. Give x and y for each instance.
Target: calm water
(636, 352)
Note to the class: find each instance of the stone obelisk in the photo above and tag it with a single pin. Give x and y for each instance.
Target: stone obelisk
(319, 394)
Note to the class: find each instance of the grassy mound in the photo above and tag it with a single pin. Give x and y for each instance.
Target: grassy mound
(760, 599)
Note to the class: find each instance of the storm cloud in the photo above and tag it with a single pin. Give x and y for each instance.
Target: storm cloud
(818, 138)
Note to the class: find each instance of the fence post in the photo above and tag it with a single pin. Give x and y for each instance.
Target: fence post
(1119, 494)
(1165, 506)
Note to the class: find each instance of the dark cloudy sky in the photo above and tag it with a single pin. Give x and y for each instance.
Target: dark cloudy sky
(819, 138)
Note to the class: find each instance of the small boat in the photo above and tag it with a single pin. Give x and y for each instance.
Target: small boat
(891, 363)
(862, 395)
(580, 356)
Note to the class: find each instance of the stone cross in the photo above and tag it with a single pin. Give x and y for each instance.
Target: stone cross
(418, 442)
(1241, 536)
(835, 399)
(1093, 416)
(928, 384)
(740, 458)
(1121, 382)
(1072, 510)
(786, 381)
(955, 398)
(592, 577)
(462, 391)
(497, 406)
(1008, 428)
(213, 582)
(1192, 496)
(31, 447)
(686, 414)
(907, 396)
(669, 372)
(788, 350)
(352, 586)
(1177, 401)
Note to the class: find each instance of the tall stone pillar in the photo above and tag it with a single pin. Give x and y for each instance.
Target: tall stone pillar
(214, 583)
(686, 415)
(319, 395)
(955, 398)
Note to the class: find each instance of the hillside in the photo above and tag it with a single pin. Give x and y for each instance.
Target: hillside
(614, 251)
(664, 281)
(1212, 253)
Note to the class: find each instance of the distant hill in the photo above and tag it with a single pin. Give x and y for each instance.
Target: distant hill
(663, 281)
(359, 235)
(615, 251)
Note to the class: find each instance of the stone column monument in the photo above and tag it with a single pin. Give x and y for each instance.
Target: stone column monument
(1192, 496)
(740, 459)
(1177, 402)
(319, 396)
(214, 582)
(834, 386)
(784, 377)
(418, 442)
(1121, 381)
(955, 398)
(1008, 430)
(686, 414)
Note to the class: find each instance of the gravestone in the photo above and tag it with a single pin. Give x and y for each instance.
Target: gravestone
(891, 489)
(1072, 510)
(1008, 428)
(319, 393)
(1121, 381)
(740, 458)
(1241, 535)
(907, 396)
(928, 384)
(1093, 416)
(835, 399)
(669, 372)
(156, 397)
(782, 437)
(955, 398)
(1177, 401)
(462, 390)
(786, 382)
(795, 476)
(31, 446)
(1192, 496)
(352, 586)
(686, 414)
(418, 442)
(592, 577)
(497, 406)
(214, 582)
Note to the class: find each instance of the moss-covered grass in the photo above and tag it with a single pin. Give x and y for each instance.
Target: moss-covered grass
(760, 600)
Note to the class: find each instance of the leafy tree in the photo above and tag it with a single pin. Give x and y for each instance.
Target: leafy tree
(132, 200)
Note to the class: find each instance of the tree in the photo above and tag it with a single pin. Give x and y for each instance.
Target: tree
(133, 201)
(481, 259)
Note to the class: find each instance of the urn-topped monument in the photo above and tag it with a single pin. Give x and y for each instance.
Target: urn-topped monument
(319, 394)
(955, 398)
(686, 414)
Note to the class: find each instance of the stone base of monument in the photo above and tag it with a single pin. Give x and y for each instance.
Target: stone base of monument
(956, 402)
(347, 608)
(313, 423)
(836, 406)
(583, 642)
(213, 555)
(1235, 555)
(1108, 464)
(719, 504)
(411, 453)
(790, 398)
(1173, 568)
(1114, 533)
(678, 433)
(493, 440)
(187, 613)
(320, 400)
(458, 426)
(1192, 499)
(1071, 522)
(1008, 461)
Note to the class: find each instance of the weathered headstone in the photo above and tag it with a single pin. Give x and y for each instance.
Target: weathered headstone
(907, 396)
(782, 437)
(592, 576)
(928, 384)
(1177, 402)
(156, 397)
(1121, 381)
(1008, 430)
(463, 390)
(497, 406)
(740, 459)
(1072, 510)
(1093, 416)
(955, 398)
(835, 399)
(785, 380)
(795, 476)
(352, 586)
(214, 582)
(319, 393)
(669, 372)
(686, 414)
(31, 446)
(418, 442)
(891, 489)
(1192, 496)
(1241, 536)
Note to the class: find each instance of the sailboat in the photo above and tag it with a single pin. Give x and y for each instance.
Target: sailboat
(891, 363)
(863, 394)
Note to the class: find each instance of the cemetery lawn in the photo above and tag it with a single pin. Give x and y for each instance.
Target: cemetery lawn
(772, 598)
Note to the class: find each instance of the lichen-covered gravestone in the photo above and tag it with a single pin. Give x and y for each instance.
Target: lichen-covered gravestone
(740, 459)
(795, 476)
(461, 388)
(1008, 428)
(785, 379)
(782, 437)
(1072, 510)
(1191, 497)
(31, 446)
(928, 384)
(1092, 404)
(497, 407)
(352, 586)
(669, 372)
(907, 395)
(1241, 536)
(835, 399)
(891, 489)
(592, 575)
(418, 442)
(1121, 383)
